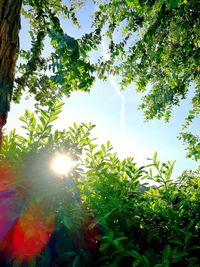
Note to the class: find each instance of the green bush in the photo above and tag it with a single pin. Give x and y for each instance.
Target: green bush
(103, 215)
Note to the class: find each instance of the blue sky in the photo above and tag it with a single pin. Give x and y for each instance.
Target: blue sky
(116, 115)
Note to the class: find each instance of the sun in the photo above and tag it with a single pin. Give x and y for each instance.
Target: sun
(62, 164)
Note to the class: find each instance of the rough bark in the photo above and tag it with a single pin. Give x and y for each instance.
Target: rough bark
(9, 45)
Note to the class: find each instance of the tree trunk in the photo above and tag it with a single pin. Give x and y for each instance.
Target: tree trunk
(9, 46)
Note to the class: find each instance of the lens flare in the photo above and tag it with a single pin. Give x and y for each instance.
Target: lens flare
(62, 164)
(32, 232)
(9, 200)
(7, 176)
(10, 208)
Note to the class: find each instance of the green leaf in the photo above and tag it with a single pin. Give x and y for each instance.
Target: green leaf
(172, 4)
(67, 222)
(166, 253)
(59, 105)
(134, 254)
(165, 263)
(136, 263)
(76, 261)
(52, 118)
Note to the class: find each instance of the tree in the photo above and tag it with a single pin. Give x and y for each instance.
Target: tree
(9, 42)
(159, 51)
(70, 69)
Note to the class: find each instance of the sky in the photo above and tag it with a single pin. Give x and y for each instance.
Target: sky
(115, 113)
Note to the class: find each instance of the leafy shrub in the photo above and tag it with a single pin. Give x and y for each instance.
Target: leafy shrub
(102, 215)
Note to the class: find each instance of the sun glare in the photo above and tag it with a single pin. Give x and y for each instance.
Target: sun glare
(62, 164)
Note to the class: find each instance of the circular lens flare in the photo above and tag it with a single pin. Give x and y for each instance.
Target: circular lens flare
(62, 164)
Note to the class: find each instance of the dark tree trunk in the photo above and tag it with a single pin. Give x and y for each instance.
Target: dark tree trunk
(9, 45)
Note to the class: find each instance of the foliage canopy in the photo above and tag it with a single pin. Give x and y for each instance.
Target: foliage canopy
(154, 44)
(159, 50)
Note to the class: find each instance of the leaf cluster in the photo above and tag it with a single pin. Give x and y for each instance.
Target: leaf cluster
(155, 44)
(66, 68)
(106, 212)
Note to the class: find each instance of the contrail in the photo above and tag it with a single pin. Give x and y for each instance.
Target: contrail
(115, 86)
